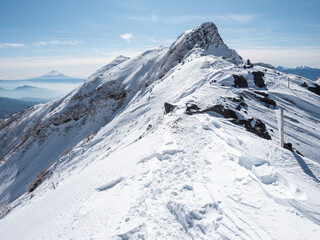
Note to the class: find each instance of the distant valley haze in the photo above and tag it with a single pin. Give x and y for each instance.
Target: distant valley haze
(78, 37)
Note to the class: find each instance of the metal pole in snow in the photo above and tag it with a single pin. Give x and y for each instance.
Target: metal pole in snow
(282, 127)
(288, 82)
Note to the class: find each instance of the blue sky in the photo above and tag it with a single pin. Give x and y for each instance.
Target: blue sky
(76, 37)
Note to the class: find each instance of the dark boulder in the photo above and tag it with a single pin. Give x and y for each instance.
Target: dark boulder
(168, 107)
(267, 100)
(261, 93)
(304, 84)
(192, 108)
(238, 121)
(243, 104)
(288, 146)
(248, 64)
(239, 81)
(315, 89)
(258, 79)
(259, 128)
(225, 112)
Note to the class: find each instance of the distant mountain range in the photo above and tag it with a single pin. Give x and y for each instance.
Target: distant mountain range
(26, 91)
(53, 76)
(16, 95)
(49, 86)
(307, 72)
(9, 106)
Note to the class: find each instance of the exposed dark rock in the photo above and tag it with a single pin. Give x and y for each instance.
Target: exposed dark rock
(225, 112)
(239, 81)
(37, 180)
(240, 99)
(299, 153)
(315, 89)
(259, 128)
(267, 100)
(248, 64)
(168, 107)
(258, 79)
(238, 108)
(261, 93)
(191, 107)
(304, 84)
(238, 121)
(243, 104)
(288, 146)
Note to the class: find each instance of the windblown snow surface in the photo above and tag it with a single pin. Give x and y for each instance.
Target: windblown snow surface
(119, 168)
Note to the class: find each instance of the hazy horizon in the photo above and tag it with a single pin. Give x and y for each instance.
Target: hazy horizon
(78, 37)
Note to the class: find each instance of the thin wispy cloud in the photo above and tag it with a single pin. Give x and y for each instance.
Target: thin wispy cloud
(138, 18)
(56, 42)
(68, 43)
(166, 41)
(242, 18)
(12, 45)
(126, 36)
(39, 44)
(232, 18)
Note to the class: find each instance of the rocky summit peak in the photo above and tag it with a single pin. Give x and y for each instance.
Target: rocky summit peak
(204, 36)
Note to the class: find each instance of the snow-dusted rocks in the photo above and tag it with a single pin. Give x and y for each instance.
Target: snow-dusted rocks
(119, 168)
(206, 39)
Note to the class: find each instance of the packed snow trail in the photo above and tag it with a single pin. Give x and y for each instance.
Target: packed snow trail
(195, 181)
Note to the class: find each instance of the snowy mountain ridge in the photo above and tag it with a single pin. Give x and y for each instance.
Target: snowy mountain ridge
(304, 71)
(107, 160)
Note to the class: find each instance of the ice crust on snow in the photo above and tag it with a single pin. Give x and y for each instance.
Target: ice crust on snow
(121, 169)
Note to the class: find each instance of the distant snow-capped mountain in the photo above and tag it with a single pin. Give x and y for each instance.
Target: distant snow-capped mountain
(55, 76)
(176, 143)
(54, 73)
(304, 71)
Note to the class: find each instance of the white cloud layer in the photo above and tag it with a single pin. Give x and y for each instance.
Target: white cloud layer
(12, 45)
(126, 36)
(25, 67)
(235, 18)
(56, 42)
(288, 57)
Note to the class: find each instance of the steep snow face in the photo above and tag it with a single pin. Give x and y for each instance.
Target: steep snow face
(35, 138)
(118, 168)
(118, 60)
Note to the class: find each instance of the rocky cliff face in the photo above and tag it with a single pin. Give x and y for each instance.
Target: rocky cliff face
(205, 37)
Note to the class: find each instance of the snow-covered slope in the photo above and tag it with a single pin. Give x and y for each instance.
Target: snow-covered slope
(114, 166)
